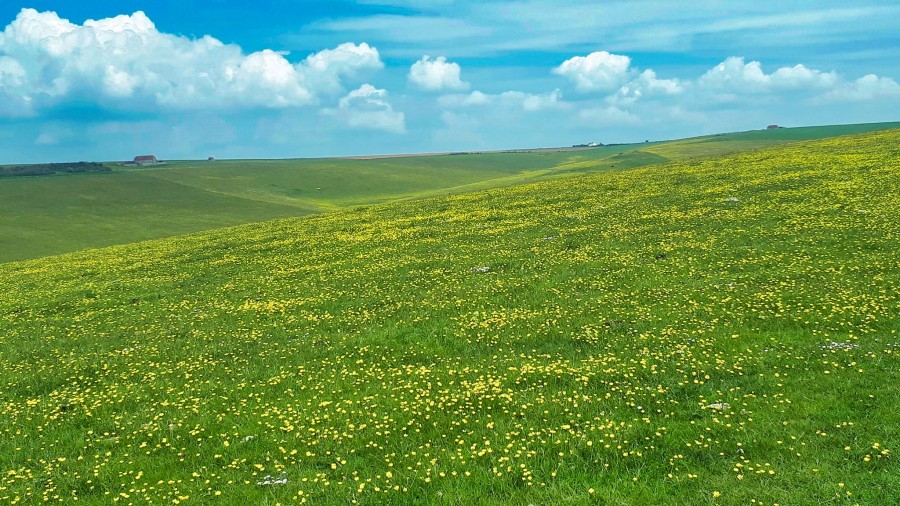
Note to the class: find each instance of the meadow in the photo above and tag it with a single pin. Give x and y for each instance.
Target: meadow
(63, 213)
(719, 330)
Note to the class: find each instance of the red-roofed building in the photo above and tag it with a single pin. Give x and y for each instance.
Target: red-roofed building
(145, 160)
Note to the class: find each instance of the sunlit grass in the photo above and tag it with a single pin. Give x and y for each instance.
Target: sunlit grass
(717, 331)
(60, 214)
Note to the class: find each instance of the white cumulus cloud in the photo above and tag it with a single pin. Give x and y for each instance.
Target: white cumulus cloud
(734, 79)
(12, 77)
(534, 102)
(736, 76)
(436, 75)
(328, 67)
(598, 71)
(802, 77)
(368, 107)
(609, 115)
(868, 87)
(528, 102)
(647, 85)
(465, 100)
(124, 62)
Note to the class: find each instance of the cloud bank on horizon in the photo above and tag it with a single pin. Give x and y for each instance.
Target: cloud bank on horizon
(106, 88)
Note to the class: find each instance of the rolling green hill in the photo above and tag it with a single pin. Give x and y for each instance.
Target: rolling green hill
(711, 331)
(716, 145)
(41, 216)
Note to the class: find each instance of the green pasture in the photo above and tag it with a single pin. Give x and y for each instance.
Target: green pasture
(710, 331)
(721, 144)
(48, 215)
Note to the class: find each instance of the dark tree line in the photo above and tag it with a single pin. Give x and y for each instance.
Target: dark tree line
(46, 169)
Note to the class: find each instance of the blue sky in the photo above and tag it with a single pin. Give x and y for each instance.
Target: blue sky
(106, 80)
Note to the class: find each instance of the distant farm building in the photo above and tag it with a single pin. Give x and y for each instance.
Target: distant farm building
(772, 127)
(143, 160)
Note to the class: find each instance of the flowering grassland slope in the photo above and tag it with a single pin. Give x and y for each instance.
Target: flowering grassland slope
(719, 331)
(45, 216)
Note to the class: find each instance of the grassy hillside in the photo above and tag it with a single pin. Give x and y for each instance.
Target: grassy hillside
(46, 215)
(721, 144)
(327, 184)
(718, 331)
(43, 216)
(62, 214)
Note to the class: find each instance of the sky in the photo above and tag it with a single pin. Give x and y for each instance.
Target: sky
(105, 80)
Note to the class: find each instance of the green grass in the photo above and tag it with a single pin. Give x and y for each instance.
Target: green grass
(327, 184)
(722, 144)
(57, 214)
(712, 331)
(46, 215)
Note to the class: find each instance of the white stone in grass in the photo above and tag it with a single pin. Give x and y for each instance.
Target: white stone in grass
(270, 480)
(834, 345)
(481, 268)
(732, 199)
(720, 406)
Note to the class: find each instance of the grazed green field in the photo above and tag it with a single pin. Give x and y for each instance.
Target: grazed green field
(49, 215)
(46, 215)
(715, 331)
(721, 144)
(60, 214)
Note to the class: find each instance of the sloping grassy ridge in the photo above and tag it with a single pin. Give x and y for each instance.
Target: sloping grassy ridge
(709, 332)
(44, 216)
